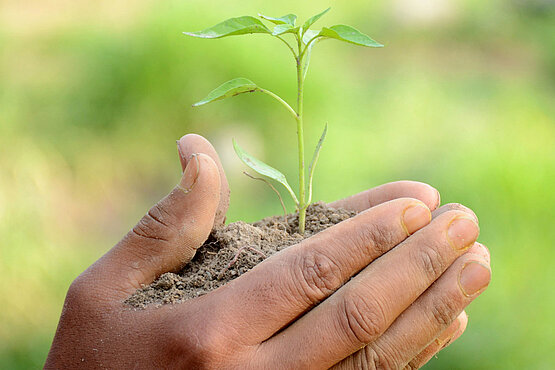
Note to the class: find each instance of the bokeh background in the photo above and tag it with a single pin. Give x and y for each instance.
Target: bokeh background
(93, 95)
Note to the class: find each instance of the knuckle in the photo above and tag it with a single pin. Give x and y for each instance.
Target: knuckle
(78, 292)
(154, 225)
(320, 275)
(388, 356)
(363, 320)
(196, 346)
(444, 310)
(369, 359)
(369, 238)
(80, 301)
(429, 259)
(380, 237)
(160, 213)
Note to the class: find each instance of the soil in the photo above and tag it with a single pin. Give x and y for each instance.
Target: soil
(232, 250)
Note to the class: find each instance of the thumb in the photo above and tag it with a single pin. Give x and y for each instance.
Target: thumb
(169, 234)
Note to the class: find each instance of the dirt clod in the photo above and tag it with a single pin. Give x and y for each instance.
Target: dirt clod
(232, 250)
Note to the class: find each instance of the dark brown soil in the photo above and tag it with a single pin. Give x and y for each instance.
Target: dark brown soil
(232, 250)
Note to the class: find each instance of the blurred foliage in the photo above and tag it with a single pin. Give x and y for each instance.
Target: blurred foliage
(93, 96)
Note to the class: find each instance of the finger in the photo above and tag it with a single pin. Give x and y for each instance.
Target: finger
(432, 321)
(168, 235)
(359, 312)
(192, 143)
(365, 359)
(454, 207)
(287, 284)
(431, 314)
(451, 334)
(393, 190)
(463, 317)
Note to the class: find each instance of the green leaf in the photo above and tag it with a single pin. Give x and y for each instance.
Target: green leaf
(230, 88)
(349, 34)
(306, 39)
(280, 29)
(317, 150)
(314, 161)
(313, 20)
(286, 19)
(263, 169)
(309, 35)
(307, 60)
(232, 27)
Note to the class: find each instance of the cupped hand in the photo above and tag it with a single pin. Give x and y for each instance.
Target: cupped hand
(384, 289)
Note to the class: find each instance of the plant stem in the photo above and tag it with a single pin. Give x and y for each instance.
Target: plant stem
(275, 191)
(282, 102)
(300, 137)
(289, 46)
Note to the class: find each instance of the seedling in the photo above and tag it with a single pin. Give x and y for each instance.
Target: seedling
(304, 40)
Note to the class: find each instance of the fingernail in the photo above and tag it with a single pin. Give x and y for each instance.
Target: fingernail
(438, 199)
(473, 278)
(462, 233)
(416, 217)
(181, 157)
(445, 337)
(191, 173)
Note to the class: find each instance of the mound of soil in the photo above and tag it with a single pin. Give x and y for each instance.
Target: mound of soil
(232, 250)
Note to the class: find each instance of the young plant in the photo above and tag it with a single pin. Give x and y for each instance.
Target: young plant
(304, 40)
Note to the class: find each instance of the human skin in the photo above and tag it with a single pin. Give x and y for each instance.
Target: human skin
(385, 289)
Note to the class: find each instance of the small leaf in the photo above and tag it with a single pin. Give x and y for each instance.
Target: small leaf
(349, 34)
(286, 19)
(263, 169)
(228, 89)
(232, 27)
(307, 60)
(280, 29)
(314, 161)
(317, 150)
(309, 35)
(313, 20)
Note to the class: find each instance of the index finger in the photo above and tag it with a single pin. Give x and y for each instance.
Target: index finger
(393, 190)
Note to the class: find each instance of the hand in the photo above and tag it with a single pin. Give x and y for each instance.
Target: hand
(385, 289)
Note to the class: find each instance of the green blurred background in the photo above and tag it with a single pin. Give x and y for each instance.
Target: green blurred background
(93, 95)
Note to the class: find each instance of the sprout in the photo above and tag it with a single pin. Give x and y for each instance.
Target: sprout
(304, 40)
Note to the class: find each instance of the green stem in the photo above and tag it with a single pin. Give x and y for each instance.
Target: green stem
(300, 137)
(302, 54)
(282, 102)
(289, 46)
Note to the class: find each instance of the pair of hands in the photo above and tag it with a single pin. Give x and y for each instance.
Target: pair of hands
(384, 289)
